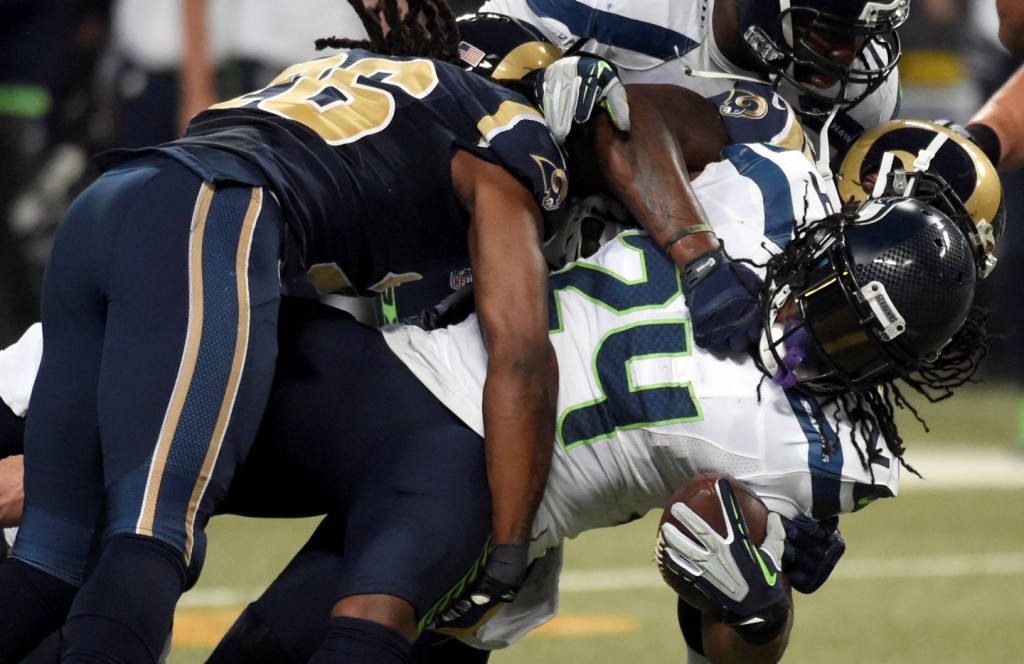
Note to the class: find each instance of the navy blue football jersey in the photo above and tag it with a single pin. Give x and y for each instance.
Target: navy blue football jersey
(357, 148)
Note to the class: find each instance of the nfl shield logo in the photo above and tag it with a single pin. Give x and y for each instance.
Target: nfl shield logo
(459, 278)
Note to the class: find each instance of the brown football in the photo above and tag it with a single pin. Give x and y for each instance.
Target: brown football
(699, 495)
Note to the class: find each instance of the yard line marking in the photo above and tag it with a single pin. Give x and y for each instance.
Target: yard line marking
(947, 467)
(633, 578)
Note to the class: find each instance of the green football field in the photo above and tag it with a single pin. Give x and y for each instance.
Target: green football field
(936, 575)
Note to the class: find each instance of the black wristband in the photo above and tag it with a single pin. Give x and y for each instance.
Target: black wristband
(986, 139)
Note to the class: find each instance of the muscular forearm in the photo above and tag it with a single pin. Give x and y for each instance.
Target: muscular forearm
(648, 172)
(1003, 113)
(519, 423)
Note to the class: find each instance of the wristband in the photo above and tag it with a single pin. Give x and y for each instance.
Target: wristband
(684, 232)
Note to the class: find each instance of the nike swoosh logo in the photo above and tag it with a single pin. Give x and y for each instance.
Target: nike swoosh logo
(769, 576)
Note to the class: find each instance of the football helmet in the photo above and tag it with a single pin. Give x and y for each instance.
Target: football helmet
(927, 161)
(501, 47)
(780, 35)
(593, 222)
(859, 300)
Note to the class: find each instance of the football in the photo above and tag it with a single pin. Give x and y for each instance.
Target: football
(699, 495)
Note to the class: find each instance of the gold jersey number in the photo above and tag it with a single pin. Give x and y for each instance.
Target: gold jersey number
(330, 97)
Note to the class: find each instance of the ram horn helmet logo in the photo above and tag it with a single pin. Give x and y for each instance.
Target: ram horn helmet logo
(744, 104)
(556, 183)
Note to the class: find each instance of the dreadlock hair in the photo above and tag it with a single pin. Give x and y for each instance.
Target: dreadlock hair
(871, 409)
(425, 29)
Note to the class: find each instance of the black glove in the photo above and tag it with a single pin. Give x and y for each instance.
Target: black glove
(722, 297)
(813, 548)
(743, 581)
(507, 567)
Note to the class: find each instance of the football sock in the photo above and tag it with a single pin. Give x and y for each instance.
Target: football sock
(123, 613)
(32, 605)
(434, 648)
(357, 640)
(251, 641)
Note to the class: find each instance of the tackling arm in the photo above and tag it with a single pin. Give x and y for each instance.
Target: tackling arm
(649, 168)
(519, 397)
(673, 132)
(1011, 25)
(510, 277)
(998, 126)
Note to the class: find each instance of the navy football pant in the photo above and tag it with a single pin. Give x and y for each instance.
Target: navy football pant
(159, 316)
(403, 480)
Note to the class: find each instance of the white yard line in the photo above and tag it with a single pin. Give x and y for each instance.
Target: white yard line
(963, 467)
(944, 468)
(637, 578)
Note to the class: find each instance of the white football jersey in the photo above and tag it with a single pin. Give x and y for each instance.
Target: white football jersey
(19, 364)
(641, 410)
(660, 41)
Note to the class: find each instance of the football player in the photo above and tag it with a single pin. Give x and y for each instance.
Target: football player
(1011, 25)
(349, 173)
(996, 126)
(640, 409)
(834, 61)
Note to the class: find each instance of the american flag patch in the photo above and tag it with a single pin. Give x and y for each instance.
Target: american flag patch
(470, 54)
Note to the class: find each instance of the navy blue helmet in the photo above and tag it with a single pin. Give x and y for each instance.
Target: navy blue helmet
(866, 299)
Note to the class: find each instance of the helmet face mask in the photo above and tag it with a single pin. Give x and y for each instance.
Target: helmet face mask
(862, 300)
(936, 165)
(793, 45)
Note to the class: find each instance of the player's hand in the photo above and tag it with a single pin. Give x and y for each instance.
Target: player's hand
(813, 548)
(742, 580)
(569, 89)
(506, 569)
(722, 298)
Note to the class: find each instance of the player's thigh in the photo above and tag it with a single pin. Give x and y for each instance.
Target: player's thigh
(63, 471)
(420, 529)
(190, 345)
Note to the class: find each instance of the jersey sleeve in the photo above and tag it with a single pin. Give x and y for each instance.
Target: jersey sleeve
(513, 134)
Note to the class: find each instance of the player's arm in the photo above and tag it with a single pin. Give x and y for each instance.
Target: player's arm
(998, 126)
(510, 277)
(12, 490)
(196, 74)
(674, 132)
(1011, 25)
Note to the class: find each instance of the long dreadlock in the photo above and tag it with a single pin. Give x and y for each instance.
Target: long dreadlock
(871, 410)
(426, 28)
